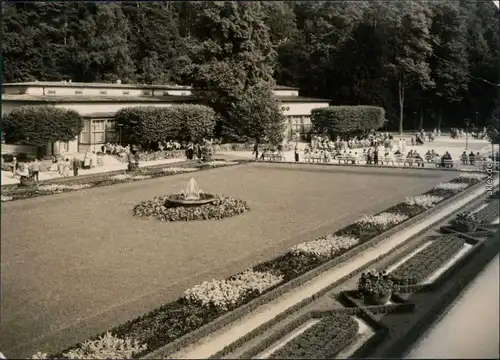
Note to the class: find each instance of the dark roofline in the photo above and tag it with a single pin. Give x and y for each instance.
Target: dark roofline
(283, 87)
(300, 99)
(98, 99)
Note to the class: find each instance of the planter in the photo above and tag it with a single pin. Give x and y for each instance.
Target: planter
(377, 300)
(27, 182)
(465, 227)
(207, 157)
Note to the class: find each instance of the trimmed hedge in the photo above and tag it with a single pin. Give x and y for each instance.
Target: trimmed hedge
(146, 124)
(347, 119)
(428, 260)
(401, 306)
(321, 341)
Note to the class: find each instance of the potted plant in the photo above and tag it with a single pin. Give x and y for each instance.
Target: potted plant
(376, 287)
(27, 181)
(465, 222)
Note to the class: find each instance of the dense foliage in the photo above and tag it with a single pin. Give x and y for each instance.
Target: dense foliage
(321, 341)
(150, 124)
(427, 261)
(39, 125)
(427, 63)
(334, 120)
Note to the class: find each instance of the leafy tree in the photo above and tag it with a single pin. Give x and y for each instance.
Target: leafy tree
(449, 63)
(257, 115)
(231, 53)
(39, 125)
(493, 128)
(411, 49)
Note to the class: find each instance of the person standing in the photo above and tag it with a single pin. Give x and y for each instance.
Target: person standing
(35, 169)
(76, 166)
(375, 156)
(66, 167)
(60, 167)
(14, 166)
(190, 150)
(256, 150)
(296, 151)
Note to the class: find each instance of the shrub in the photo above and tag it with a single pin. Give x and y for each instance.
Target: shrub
(39, 125)
(322, 341)
(383, 220)
(226, 293)
(427, 261)
(347, 119)
(106, 347)
(375, 284)
(148, 124)
(325, 247)
(425, 201)
(452, 187)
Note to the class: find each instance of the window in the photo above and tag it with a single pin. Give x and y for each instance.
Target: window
(103, 92)
(183, 94)
(165, 93)
(51, 92)
(126, 93)
(85, 126)
(98, 127)
(78, 92)
(147, 92)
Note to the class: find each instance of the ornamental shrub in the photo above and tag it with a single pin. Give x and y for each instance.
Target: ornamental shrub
(335, 120)
(39, 125)
(148, 124)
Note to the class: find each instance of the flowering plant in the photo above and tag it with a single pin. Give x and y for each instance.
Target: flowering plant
(62, 187)
(465, 221)
(107, 346)
(383, 220)
(6, 198)
(325, 246)
(221, 207)
(425, 201)
(125, 177)
(472, 176)
(177, 170)
(225, 293)
(376, 284)
(452, 187)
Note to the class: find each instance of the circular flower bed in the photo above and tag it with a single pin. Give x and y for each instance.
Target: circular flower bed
(160, 207)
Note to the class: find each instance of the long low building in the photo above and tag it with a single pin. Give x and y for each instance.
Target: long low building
(99, 102)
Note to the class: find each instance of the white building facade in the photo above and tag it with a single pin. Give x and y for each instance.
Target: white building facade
(98, 104)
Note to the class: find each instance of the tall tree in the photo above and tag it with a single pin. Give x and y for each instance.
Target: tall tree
(232, 52)
(449, 62)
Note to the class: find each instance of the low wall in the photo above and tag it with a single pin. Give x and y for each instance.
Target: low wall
(17, 149)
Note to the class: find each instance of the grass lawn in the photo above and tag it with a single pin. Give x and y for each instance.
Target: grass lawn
(78, 263)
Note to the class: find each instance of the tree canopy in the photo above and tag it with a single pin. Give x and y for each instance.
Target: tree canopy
(435, 59)
(39, 125)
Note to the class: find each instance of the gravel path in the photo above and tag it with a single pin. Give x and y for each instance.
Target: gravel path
(77, 263)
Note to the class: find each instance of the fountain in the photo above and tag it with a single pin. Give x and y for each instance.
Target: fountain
(192, 196)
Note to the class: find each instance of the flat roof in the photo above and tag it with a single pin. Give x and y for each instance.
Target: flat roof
(115, 85)
(50, 99)
(300, 99)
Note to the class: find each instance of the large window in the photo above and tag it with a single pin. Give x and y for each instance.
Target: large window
(98, 130)
(299, 124)
(111, 135)
(85, 135)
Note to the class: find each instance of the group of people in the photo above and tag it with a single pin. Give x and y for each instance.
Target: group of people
(456, 133)
(26, 170)
(198, 149)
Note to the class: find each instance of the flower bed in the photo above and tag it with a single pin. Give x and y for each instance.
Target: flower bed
(425, 201)
(176, 319)
(322, 341)
(159, 207)
(489, 213)
(23, 192)
(427, 261)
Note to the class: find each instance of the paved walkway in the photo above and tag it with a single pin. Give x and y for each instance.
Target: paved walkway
(109, 165)
(227, 335)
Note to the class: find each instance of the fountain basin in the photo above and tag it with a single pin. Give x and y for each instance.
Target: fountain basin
(182, 200)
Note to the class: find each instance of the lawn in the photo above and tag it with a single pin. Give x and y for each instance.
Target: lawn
(78, 263)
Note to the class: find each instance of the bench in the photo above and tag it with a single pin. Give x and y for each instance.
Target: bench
(273, 157)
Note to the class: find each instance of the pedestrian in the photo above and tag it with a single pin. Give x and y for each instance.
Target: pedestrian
(375, 156)
(76, 166)
(190, 150)
(66, 167)
(35, 169)
(60, 167)
(296, 150)
(14, 166)
(256, 150)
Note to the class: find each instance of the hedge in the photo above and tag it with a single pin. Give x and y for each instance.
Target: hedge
(427, 261)
(149, 124)
(347, 119)
(39, 125)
